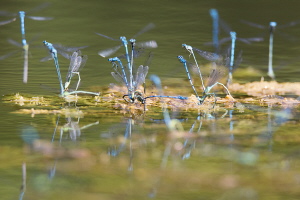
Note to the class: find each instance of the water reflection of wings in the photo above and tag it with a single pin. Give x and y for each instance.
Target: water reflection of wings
(126, 143)
(72, 127)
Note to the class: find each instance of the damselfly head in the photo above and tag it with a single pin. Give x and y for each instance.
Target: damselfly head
(24, 42)
(181, 59)
(201, 100)
(188, 48)
(233, 35)
(213, 12)
(124, 40)
(113, 59)
(132, 41)
(131, 96)
(138, 96)
(22, 13)
(272, 26)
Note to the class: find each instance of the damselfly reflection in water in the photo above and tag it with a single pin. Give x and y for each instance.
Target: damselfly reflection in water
(23, 186)
(77, 61)
(175, 130)
(72, 127)
(271, 29)
(275, 119)
(190, 143)
(195, 131)
(171, 124)
(125, 141)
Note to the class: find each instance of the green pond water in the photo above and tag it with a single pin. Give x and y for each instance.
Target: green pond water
(90, 151)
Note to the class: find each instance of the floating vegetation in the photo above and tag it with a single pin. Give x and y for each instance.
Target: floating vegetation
(261, 88)
(263, 92)
(49, 102)
(63, 111)
(22, 100)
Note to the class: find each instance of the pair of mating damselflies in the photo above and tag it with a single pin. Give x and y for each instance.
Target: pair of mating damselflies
(124, 74)
(25, 45)
(77, 62)
(119, 73)
(133, 94)
(214, 76)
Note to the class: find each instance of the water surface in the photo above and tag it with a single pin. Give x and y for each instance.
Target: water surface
(97, 152)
